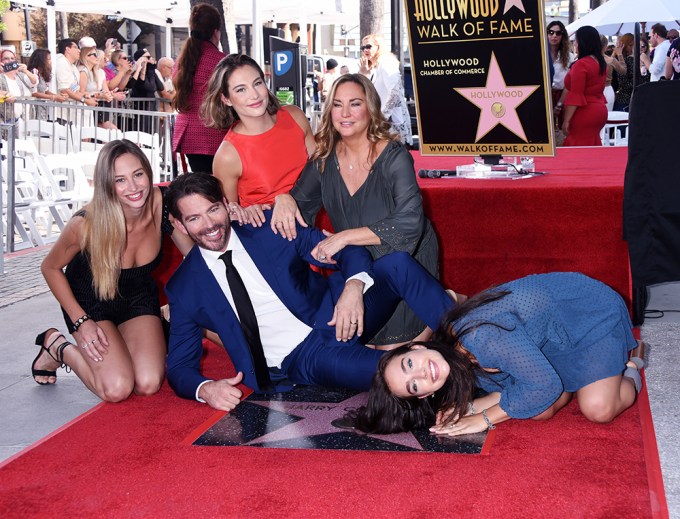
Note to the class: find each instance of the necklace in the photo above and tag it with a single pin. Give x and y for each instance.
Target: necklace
(350, 165)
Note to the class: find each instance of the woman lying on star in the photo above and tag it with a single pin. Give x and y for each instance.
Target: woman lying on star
(530, 345)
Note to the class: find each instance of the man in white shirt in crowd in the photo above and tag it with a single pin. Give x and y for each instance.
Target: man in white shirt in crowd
(164, 73)
(657, 38)
(68, 77)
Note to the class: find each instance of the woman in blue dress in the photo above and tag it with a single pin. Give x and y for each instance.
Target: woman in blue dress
(529, 344)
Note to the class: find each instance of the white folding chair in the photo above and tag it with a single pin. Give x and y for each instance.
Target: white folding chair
(49, 137)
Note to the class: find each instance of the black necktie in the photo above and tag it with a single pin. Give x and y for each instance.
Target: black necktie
(246, 313)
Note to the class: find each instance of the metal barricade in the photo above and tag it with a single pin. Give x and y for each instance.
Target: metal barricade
(71, 127)
(8, 244)
(51, 129)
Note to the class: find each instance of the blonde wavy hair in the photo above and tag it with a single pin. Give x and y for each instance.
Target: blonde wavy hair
(82, 61)
(104, 234)
(382, 51)
(379, 129)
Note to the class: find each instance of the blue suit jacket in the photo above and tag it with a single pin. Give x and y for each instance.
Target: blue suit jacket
(197, 301)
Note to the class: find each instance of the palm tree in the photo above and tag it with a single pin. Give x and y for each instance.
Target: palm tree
(370, 17)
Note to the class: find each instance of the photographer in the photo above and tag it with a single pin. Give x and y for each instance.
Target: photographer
(144, 83)
(18, 81)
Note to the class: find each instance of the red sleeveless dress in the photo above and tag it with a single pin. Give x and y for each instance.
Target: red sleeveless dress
(271, 162)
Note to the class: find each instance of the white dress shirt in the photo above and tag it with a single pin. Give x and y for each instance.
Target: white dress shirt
(280, 331)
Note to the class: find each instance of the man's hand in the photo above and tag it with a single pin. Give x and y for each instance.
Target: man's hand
(348, 316)
(222, 394)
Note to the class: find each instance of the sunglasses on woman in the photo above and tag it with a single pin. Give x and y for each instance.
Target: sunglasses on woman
(554, 33)
(366, 47)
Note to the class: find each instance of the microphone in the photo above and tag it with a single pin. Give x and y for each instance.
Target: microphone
(436, 173)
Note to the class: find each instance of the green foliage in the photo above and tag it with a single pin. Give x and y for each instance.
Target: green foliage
(79, 24)
(4, 5)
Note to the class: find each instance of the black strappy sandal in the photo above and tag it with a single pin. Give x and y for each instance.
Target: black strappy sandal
(59, 355)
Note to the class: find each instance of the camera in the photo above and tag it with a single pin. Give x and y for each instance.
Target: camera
(12, 65)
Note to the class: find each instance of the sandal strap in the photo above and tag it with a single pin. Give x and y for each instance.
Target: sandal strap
(43, 373)
(59, 354)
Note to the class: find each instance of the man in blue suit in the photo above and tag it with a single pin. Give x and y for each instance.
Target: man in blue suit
(312, 329)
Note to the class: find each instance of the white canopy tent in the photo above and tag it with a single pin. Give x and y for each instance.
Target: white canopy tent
(619, 16)
(175, 13)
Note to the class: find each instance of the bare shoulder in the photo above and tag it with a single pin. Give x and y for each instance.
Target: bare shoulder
(299, 117)
(68, 243)
(227, 161)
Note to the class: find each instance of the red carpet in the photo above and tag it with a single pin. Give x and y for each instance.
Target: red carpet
(132, 460)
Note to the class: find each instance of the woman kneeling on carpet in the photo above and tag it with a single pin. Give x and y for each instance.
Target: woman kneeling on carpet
(107, 294)
(530, 344)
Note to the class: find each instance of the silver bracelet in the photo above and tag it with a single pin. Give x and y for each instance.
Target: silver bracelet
(471, 408)
(489, 425)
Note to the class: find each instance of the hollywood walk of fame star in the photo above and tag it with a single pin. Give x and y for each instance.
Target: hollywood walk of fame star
(498, 102)
(513, 3)
(317, 418)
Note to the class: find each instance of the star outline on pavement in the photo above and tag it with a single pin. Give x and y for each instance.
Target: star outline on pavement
(315, 422)
(497, 110)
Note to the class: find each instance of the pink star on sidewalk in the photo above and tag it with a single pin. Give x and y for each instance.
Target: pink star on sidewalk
(513, 3)
(498, 102)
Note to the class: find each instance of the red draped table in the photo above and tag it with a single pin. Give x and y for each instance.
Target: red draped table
(495, 230)
(491, 231)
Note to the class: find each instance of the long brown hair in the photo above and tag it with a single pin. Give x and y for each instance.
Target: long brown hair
(104, 234)
(215, 113)
(385, 413)
(38, 62)
(203, 23)
(565, 46)
(379, 129)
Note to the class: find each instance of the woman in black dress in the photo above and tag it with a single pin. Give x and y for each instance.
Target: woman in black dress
(107, 294)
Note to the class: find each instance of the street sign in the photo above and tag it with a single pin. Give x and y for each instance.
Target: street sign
(27, 48)
(481, 77)
(134, 31)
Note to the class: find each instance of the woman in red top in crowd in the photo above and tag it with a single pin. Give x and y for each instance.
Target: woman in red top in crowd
(585, 107)
(267, 145)
(197, 61)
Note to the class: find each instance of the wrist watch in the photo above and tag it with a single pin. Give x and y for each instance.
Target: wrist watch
(82, 99)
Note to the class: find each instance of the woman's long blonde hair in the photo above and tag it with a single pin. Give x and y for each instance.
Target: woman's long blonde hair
(379, 129)
(104, 234)
(91, 72)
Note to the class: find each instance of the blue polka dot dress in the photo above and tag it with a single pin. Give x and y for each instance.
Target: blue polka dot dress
(556, 332)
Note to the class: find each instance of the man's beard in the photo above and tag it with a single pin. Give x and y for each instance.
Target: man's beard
(202, 240)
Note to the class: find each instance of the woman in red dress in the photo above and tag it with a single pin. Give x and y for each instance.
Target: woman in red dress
(585, 107)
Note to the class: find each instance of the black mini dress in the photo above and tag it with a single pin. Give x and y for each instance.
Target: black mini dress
(137, 290)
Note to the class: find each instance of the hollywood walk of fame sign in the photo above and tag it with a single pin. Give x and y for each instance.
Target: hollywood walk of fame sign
(481, 77)
(304, 418)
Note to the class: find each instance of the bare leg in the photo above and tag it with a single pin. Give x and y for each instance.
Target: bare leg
(112, 379)
(144, 338)
(563, 400)
(117, 375)
(605, 399)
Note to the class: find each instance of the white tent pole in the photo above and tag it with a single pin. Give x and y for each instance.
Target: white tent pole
(303, 25)
(258, 50)
(168, 38)
(52, 39)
